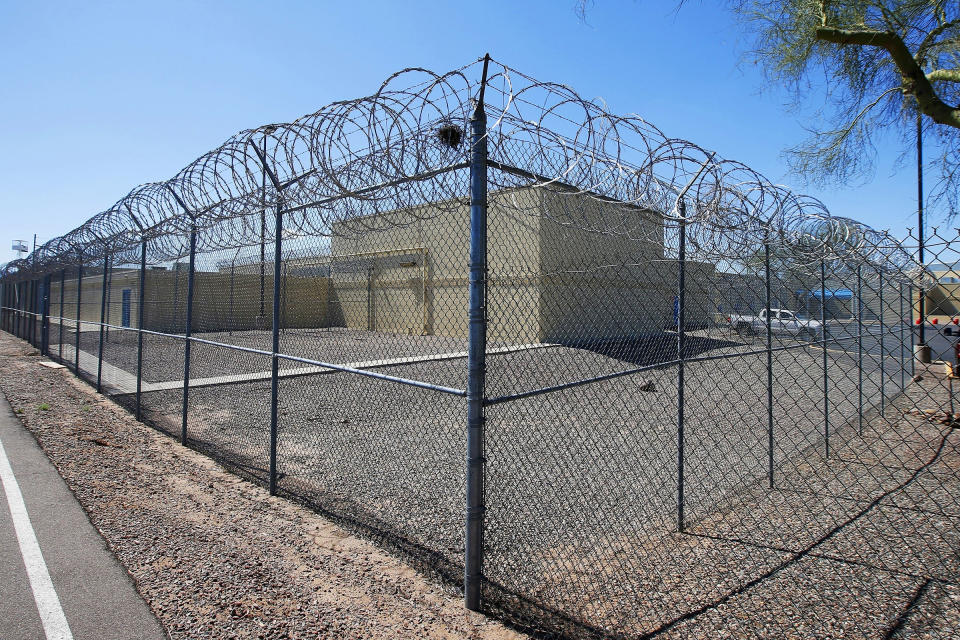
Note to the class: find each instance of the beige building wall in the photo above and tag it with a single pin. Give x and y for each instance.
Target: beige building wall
(303, 303)
(91, 297)
(562, 268)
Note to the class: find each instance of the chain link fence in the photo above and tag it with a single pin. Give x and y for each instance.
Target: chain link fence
(612, 384)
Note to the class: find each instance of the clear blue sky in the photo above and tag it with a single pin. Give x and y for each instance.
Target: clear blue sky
(99, 97)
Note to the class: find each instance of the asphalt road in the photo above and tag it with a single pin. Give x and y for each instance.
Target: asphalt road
(91, 592)
(941, 345)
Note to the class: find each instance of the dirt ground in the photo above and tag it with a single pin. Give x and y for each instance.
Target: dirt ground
(213, 555)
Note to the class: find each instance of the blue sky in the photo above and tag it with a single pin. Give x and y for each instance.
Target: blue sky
(98, 97)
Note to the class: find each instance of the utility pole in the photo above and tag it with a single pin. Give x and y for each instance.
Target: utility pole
(921, 350)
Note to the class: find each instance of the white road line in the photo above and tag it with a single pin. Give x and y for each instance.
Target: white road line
(48, 604)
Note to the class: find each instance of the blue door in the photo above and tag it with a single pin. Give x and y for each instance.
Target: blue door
(125, 314)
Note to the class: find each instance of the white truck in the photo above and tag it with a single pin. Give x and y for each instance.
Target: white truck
(783, 321)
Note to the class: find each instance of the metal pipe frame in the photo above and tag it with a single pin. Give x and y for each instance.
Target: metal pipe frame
(883, 354)
(187, 332)
(913, 360)
(476, 356)
(274, 359)
(76, 352)
(45, 322)
(63, 282)
(140, 314)
(681, 354)
(859, 351)
(768, 296)
(826, 370)
(903, 361)
(103, 318)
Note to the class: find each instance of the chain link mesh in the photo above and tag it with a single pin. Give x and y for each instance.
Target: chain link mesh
(710, 406)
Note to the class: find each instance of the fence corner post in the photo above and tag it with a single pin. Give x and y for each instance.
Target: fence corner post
(476, 354)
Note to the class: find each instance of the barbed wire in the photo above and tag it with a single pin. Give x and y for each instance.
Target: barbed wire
(400, 155)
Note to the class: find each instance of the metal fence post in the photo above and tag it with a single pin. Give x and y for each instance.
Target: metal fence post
(766, 267)
(38, 310)
(187, 331)
(231, 323)
(22, 326)
(25, 314)
(31, 311)
(883, 355)
(106, 328)
(63, 282)
(477, 352)
(22, 310)
(36, 301)
(826, 371)
(76, 350)
(45, 321)
(34, 307)
(275, 361)
(103, 318)
(27, 309)
(903, 361)
(681, 353)
(859, 350)
(913, 359)
(40, 319)
(140, 315)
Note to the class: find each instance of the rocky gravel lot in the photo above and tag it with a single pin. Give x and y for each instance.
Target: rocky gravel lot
(580, 495)
(213, 555)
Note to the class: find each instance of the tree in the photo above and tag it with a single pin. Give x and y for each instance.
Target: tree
(885, 63)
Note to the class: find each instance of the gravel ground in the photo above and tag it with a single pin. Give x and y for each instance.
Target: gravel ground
(214, 556)
(581, 483)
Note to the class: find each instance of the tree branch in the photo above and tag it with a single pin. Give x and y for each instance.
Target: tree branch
(913, 78)
(944, 75)
(934, 34)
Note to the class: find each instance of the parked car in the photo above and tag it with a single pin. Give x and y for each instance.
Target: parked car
(782, 321)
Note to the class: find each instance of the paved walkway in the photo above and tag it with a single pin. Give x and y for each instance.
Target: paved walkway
(122, 382)
(57, 577)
